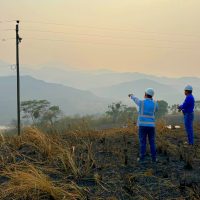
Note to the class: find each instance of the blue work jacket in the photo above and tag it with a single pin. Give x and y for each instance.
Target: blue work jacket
(188, 104)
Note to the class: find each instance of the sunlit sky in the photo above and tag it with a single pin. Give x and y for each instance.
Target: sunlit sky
(160, 37)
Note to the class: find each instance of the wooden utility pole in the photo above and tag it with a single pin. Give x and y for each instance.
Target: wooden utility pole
(18, 40)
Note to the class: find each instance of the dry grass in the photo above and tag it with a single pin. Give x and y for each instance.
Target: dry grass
(31, 183)
(67, 159)
(38, 140)
(85, 164)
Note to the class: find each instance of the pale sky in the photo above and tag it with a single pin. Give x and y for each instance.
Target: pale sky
(160, 37)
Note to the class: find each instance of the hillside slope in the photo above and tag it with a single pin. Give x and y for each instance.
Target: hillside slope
(162, 91)
(71, 101)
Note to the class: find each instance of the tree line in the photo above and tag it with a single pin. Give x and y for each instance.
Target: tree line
(42, 111)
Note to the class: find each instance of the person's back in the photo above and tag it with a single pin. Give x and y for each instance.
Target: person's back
(146, 122)
(147, 109)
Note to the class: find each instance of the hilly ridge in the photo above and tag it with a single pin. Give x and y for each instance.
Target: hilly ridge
(71, 101)
(162, 91)
(85, 92)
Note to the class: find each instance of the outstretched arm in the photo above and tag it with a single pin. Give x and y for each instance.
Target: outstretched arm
(135, 99)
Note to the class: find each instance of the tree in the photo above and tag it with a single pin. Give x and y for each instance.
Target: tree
(162, 108)
(51, 114)
(39, 111)
(114, 110)
(121, 113)
(129, 113)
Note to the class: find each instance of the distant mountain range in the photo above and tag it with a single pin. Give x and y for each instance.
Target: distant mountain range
(106, 83)
(120, 91)
(89, 80)
(71, 101)
(86, 92)
(58, 73)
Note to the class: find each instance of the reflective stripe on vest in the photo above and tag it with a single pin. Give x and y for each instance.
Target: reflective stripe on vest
(142, 122)
(147, 116)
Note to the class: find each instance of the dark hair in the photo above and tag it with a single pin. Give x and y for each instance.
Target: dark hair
(189, 91)
(148, 96)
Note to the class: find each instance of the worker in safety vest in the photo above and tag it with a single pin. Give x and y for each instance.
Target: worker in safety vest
(188, 111)
(146, 122)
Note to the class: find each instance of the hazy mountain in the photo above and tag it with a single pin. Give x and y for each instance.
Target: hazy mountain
(77, 78)
(103, 83)
(83, 79)
(88, 80)
(72, 101)
(120, 91)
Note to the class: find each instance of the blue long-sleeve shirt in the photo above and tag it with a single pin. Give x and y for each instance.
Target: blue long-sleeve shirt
(188, 104)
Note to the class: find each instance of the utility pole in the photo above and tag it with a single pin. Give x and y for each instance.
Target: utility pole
(18, 40)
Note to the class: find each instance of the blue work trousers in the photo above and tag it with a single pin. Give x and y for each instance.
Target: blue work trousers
(145, 131)
(188, 121)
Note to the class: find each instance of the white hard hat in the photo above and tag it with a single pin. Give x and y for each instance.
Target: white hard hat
(150, 91)
(189, 88)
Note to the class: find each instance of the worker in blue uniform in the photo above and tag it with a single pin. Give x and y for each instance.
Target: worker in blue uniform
(188, 111)
(146, 122)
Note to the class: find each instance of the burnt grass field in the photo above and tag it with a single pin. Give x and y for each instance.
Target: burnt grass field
(86, 164)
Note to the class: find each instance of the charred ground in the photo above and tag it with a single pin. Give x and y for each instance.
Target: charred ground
(86, 164)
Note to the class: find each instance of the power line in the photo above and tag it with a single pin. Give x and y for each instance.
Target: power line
(6, 39)
(107, 44)
(105, 28)
(113, 29)
(92, 35)
(105, 36)
(102, 36)
(7, 29)
(7, 21)
(40, 22)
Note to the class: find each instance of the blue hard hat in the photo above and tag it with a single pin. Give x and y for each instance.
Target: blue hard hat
(150, 91)
(189, 88)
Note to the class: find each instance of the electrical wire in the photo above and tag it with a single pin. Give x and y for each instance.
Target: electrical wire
(8, 21)
(104, 28)
(107, 44)
(7, 39)
(100, 28)
(104, 36)
(7, 29)
(112, 29)
(91, 35)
